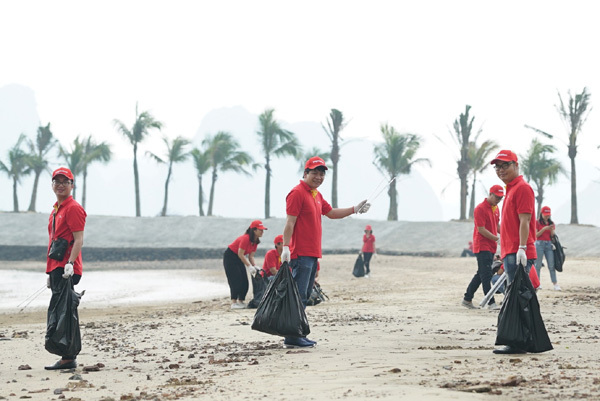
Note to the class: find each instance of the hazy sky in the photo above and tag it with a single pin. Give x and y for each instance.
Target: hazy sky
(413, 64)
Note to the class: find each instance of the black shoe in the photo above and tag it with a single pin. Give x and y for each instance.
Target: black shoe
(507, 349)
(58, 365)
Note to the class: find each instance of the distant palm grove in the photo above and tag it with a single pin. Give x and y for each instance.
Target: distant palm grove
(221, 152)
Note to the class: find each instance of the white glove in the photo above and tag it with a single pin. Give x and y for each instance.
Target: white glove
(254, 270)
(47, 281)
(521, 257)
(362, 207)
(285, 254)
(68, 270)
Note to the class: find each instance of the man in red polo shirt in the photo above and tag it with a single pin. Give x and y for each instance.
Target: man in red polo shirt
(67, 221)
(273, 258)
(302, 232)
(485, 239)
(517, 242)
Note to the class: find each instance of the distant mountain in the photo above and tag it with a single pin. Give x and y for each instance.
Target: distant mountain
(18, 114)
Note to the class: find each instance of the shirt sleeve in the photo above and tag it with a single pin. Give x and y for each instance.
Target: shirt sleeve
(479, 217)
(76, 221)
(293, 204)
(325, 207)
(525, 200)
(244, 244)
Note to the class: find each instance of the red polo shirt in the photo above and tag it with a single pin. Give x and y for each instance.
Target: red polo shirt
(272, 259)
(244, 243)
(70, 218)
(486, 216)
(308, 209)
(519, 199)
(368, 243)
(545, 236)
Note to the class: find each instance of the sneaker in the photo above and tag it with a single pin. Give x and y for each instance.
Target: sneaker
(238, 306)
(366, 276)
(310, 341)
(494, 306)
(297, 342)
(468, 304)
(557, 287)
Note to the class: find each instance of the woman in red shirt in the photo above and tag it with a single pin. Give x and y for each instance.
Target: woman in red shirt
(368, 248)
(544, 228)
(235, 262)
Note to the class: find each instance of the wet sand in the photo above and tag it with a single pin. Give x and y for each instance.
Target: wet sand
(400, 334)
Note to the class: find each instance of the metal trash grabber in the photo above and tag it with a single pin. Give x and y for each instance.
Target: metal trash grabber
(492, 291)
(31, 298)
(372, 198)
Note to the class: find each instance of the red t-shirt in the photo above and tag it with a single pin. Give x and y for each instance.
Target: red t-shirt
(244, 243)
(545, 236)
(70, 218)
(368, 243)
(306, 238)
(519, 199)
(486, 216)
(272, 259)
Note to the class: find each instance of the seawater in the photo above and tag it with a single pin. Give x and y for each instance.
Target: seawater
(109, 288)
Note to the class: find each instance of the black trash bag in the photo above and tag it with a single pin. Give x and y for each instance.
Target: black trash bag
(62, 334)
(281, 311)
(359, 267)
(520, 323)
(559, 254)
(259, 286)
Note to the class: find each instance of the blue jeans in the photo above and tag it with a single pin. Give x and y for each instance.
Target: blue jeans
(545, 248)
(304, 270)
(483, 276)
(510, 266)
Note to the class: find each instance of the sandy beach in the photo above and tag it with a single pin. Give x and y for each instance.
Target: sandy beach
(400, 334)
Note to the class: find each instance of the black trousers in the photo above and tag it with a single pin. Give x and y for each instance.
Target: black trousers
(55, 278)
(236, 275)
(483, 275)
(367, 259)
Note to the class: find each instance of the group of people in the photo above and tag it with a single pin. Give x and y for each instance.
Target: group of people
(523, 239)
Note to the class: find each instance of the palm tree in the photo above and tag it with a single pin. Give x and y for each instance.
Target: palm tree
(16, 167)
(223, 154)
(335, 124)
(38, 160)
(479, 161)
(74, 158)
(144, 122)
(275, 142)
(202, 165)
(463, 127)
(538, 167)
(574, 116)
(175, 153)
(396, 156)
(314, 151)
(93, 152)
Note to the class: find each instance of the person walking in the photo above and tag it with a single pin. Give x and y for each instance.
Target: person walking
(368, 248)
(517, 240)
(272, 260)
(303, 231)
(239, 258)
(543, 245)
(66, 225)
(485, 241)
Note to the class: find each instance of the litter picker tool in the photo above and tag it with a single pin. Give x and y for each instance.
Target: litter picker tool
(377, 193)
(493, 290)
(30, 298)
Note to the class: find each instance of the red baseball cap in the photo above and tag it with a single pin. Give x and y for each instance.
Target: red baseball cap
(497, 190)
(278, 239)
(546, 211)
(63, 171)
(315, 162)
(505, 156)
(368, 227)
(258, 224)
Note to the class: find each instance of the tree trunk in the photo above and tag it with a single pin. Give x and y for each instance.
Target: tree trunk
(463, 171)
(212, 192)
(393, 213)
(15, 198)
(268, 189)
(574, 219)
(540, 201)
(472, 204)
(84, 190)
(335, 158)
(136, 179)
(200, 195)
(36, 181)
(164, 209)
